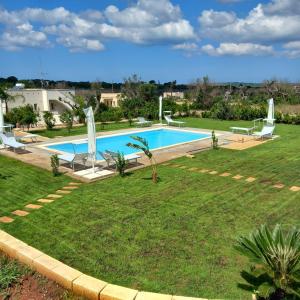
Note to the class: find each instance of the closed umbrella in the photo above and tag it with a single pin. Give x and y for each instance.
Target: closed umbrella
(91, 135)
(270, 119)
(1, 117)
(160, 109)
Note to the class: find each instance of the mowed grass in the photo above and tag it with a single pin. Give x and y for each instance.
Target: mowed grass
(78, 130)
(176, 236)
(21, 184)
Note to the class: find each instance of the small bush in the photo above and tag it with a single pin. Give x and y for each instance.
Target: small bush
(49, 119)
(215, 141)
(55, 165)
(67, 118)
(121, 164)
(130, 120)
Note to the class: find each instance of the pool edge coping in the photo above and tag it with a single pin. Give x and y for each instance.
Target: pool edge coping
(72, 279)
(193, 130)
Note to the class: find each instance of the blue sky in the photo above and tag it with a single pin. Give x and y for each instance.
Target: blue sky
(228, 40)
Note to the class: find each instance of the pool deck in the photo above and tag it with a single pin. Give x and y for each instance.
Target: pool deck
(38, 156)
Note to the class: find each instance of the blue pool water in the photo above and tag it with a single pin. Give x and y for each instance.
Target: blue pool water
(156, 139)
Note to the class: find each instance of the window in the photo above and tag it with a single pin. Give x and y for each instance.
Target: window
(35, 106)
(52, 106)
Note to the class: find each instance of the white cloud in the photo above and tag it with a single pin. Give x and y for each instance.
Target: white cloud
(145, 22)
(292, 49)
(230, 1)
(79, 45)
(92, 15)
(148, 22)
(264, 24)
(283, 7)
(23, 35)
(238, 49)
(216, 19)
(189, 47)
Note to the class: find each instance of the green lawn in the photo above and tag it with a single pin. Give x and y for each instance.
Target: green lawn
(21, 184)
(176, 236)
(191, 122)
(81, 130)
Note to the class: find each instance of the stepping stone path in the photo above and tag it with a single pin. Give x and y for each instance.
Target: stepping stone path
(70, 187)
(278, 186)
(74, 185)
(295, 188)
(6, 220)
(213, 172)
(250, 179)
(33, 206)
(54, 196)
(63, 192)
(193, 169)
(237, 177)
(45, 200)
(225, 174)
(20, 213)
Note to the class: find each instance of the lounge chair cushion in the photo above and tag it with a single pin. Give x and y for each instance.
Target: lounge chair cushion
(69, 157)
(131, 156)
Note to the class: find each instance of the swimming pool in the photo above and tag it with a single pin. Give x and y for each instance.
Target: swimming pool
(157, 138)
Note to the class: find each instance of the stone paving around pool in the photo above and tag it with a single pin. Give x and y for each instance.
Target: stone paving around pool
(36, 155)
(237, 177)
(49, 199)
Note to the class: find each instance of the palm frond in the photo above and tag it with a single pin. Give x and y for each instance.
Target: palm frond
(278, 254)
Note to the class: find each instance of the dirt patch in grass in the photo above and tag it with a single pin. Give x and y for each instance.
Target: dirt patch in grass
(36, 287)
(18, 282)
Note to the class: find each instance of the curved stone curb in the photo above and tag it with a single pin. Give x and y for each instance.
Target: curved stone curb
(72, 279)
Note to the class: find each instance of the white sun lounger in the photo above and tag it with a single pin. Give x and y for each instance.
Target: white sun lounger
(11, 142)
(71, 158)
(171, 122)
(143, 122)
(266, 132)
(33, 137)
(245, 129)
(114, 155)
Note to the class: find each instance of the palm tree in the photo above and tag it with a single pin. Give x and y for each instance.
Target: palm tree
(144, 146)
(4, 96)
(276, 257)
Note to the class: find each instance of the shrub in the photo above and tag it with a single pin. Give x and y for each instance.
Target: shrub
(113, 114)
(49, 119)
(23, 116)
(55, 165)
(206, 114)
(121, 164)
(130, 120)
(67, 118)
(215, 141)
(275, 273)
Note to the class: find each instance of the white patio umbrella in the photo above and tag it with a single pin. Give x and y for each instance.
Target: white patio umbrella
(270, 119)
(160, 109)
(1, 117)
(91, 135)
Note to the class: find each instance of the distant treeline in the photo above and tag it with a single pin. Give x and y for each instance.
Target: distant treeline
(10, 81)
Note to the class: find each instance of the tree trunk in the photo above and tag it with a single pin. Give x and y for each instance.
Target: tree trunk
(154, 171)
